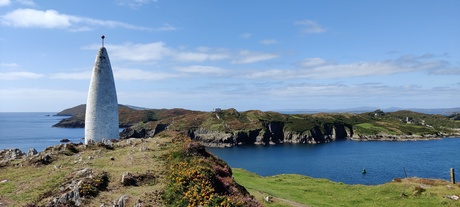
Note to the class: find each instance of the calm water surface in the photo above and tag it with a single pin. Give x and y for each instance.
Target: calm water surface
(343, 161)
(33, 130)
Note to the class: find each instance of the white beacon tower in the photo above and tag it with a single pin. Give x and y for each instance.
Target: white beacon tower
(101, 118)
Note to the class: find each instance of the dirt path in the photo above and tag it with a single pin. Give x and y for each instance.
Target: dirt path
(282, 200)
(292, 203)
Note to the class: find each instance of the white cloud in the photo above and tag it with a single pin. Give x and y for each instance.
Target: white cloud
(86, 75)
(136, 74)
(140, 52)
(26, 2)
(31, 18)
(40, 93)
(246, 35)
(309, 26)
(36, 18)
(269, 42)
(198, 56)
(245, 57)
(39, 99)
(201, 69)
(19, 75)
(376, 95)
(157, 51)
(4, 2)
(447, 71)
(317, 68)
(134, 3)
(122, 74)
(9, 65)
(166, 27)
(313, 62)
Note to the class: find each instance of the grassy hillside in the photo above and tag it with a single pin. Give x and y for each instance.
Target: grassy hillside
(171, 170)
(298, 190)
(167, 170)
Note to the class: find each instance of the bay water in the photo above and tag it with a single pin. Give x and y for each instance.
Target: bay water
(344, 161)
(34, 130)
(340, 161)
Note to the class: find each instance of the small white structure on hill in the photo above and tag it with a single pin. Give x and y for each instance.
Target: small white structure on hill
(101, 118)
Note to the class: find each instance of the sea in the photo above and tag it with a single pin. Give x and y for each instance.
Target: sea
(339, 161)
(27, 130)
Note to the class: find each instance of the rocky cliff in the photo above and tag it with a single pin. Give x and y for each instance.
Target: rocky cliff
(226, 128)
(272, 133)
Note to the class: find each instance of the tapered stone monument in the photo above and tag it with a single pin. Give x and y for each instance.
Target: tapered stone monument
(101, 119)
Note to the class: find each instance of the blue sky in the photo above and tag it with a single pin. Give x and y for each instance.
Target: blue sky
(200, 55)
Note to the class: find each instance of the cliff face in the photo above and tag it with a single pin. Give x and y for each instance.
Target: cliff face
(272, 133)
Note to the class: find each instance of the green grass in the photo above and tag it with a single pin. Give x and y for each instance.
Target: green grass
(369, 128)
(322, 192)
(28, 184)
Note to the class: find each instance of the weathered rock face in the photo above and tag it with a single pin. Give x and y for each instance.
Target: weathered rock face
(144, 131)
(10, 154)
(212, 138)
(272, 133)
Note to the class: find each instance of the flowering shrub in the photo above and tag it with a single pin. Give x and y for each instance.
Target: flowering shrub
(90, 187)
(195, 178)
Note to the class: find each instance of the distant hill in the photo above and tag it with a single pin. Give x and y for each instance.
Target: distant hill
(73, 111)
(128, 116)
(357, 110)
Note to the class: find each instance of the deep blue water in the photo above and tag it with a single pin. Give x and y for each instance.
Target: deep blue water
(340, 161)
(343, 161)
(33, 130)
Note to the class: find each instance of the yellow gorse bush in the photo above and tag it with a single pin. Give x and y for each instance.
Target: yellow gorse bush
(191, 182)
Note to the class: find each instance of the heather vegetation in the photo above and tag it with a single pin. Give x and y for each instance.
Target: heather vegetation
(197, 178)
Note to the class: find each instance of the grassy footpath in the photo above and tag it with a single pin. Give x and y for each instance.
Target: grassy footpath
(321, 192)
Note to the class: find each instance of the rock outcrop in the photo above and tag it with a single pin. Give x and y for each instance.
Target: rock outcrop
(273, 133)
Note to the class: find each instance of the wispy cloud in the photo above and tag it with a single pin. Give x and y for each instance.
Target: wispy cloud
(26, 2)
(86, 75)
(52, 19)
(246, 35)
(310, 27)
(19, 75)
(136, 74)
(246, 57)
(36, 93)
(317, 68)
(139, 52)
(166, 27)
(134, 3)
(268, 42)
(156, 51)
(198, 56)
(9, 65)
(202, 69)
(122, 74)
(4, 2)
